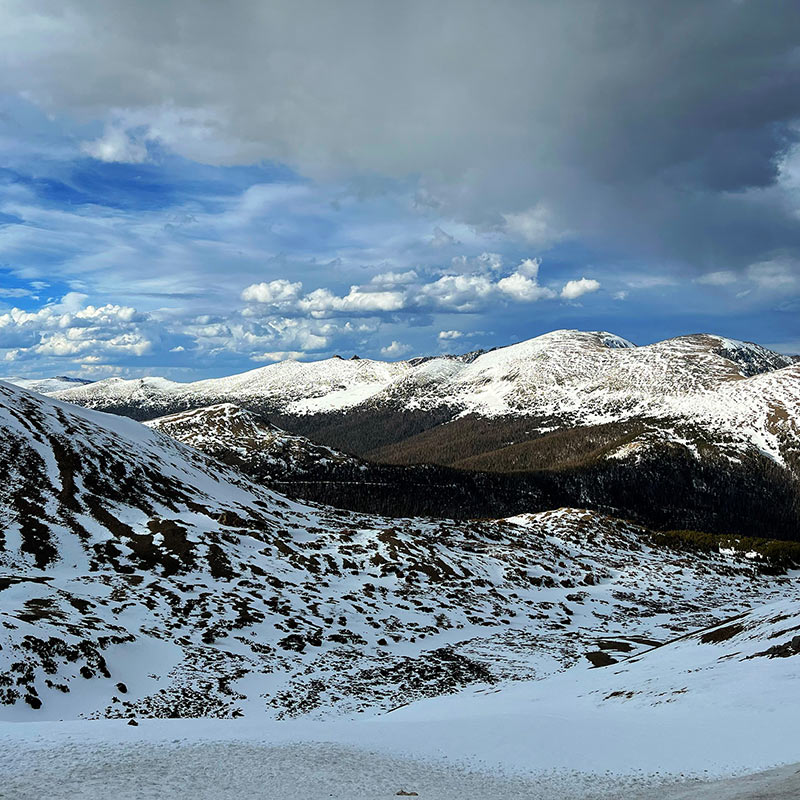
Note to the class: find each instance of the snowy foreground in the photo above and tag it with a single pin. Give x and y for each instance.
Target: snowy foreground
(202, 759)
(673, 722)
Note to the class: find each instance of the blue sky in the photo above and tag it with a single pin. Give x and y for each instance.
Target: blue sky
(174, 226)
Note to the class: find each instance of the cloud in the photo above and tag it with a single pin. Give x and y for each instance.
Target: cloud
(394, 278)
(392, 292)
(116, 146)
(71, 329)
(577, 288)
(275, 292)
(536, 226)
(485, 263)
(456, 292)
(775, 276)
(357, 301)
(442, 238)
(450, 335)
(718, 278)
(660, 128)
(522, 288)
(395, 349)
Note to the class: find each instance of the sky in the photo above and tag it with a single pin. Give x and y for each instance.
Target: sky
(194, 189)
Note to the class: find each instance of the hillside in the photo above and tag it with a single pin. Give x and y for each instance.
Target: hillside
(139, 577)
(687, 433)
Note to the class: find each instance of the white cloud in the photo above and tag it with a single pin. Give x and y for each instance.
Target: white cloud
(71, 329)
(395, 349)
(391, 292)
(450, 335)
(523, 289)
(720, 278)
(578, 288)
(774, 276)
(394, 278)
(456, 292)
(116, 146)
(356, 301)
(276, 292)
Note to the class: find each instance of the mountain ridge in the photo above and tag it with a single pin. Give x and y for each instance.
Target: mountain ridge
(141, 577)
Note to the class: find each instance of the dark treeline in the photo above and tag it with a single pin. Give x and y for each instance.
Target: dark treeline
(671, 491)
(426, 463)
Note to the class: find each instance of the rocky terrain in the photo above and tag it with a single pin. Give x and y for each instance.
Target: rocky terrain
(139, 577)
(690, 433)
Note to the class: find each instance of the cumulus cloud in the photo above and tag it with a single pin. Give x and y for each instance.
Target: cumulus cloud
(275, 292)
(577, 288)
(450, 335)
(522, 288)
(456, 292)
(395, 349)
(357, 301)
(71, 329)
(392, 292)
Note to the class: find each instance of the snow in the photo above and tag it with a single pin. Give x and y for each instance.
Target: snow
(706, 706)
(47, 385)
(738, 395)
(704, 682)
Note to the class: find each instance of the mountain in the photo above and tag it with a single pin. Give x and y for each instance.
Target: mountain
(263, 451)
(141, 577)
(48, 385)
(691, 432)
(565, 373)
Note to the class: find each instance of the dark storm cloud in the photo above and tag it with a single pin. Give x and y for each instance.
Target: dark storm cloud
(656, 128)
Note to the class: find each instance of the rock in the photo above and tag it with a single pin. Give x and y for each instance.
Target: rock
(132, 722)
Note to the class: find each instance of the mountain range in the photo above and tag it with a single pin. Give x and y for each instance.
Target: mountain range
(140, 577)
(691, 432)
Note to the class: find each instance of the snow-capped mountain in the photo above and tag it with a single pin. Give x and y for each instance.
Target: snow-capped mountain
(562, 379)
(241, 439)
(48, 385)
(332, 384)
(564, 373)
(140, 577)
(686, 433)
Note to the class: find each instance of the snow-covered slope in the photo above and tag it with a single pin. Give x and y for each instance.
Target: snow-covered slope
(303, 387)
(48, 385)
(560, 373)
(562, 379)
(140, 577)
(591, 377)
(241, 439)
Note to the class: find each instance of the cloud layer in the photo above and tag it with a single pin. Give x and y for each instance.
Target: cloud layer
(661, 129)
